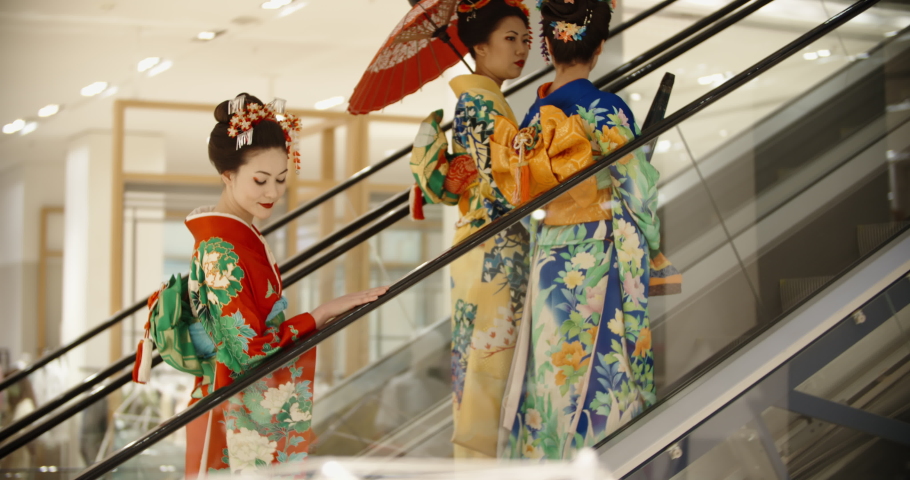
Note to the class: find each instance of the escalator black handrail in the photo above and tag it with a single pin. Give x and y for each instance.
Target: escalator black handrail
(510, 219)
(73, 409)
(50, 357)
(618, 84)
(64, 397)
(292, 215)
(625, 68)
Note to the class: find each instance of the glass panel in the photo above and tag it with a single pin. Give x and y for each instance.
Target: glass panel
(770, 431)
(872, 374)
(106, 426)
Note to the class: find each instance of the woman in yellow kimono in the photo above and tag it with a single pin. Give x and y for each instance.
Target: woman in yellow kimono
(488, 283)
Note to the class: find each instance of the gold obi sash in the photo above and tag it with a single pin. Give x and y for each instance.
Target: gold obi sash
(532, 160)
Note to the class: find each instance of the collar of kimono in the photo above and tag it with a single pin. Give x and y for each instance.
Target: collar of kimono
(205, 222)
(481, 84)
(568, 95)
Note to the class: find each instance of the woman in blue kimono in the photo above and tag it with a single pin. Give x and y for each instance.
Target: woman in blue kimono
(583, 364)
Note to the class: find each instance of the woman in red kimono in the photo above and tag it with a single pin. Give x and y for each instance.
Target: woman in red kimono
(235, 291)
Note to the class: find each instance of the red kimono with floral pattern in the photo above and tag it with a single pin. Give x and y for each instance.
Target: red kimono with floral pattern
(235, 290)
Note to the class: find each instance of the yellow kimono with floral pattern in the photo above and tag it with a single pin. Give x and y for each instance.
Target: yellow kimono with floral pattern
(489, 282)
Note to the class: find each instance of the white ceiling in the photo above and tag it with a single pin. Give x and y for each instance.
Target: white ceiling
(50, 49)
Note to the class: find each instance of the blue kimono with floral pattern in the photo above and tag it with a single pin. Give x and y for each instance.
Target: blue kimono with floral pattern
(583, 364)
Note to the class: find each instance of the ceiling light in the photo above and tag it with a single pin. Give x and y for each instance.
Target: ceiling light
(634, 97)
(94, 89)
(275, 4)
(160, 67)
(824, 53)
(291, 9)
(28, 128)
(329, 103)
(148, 63)
(109, 92)
(539, 214)
(14, 127)
(49, 110)
(810, 56)
(206, 35)
(708, 80)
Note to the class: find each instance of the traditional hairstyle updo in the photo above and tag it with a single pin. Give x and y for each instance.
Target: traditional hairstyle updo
(594, 15)
(476, 25)
(223, 151)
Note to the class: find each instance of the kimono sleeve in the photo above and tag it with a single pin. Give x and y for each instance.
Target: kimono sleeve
(239, 329)
(441, 176)
(634, 182)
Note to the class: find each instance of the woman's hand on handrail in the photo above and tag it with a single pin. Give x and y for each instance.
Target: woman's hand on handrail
(327, 311)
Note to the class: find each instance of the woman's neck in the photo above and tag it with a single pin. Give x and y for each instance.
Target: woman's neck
(481, 69)
(569, 73)
(226, 204)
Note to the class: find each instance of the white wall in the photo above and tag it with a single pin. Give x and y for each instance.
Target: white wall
(86, 247)
(24, 190)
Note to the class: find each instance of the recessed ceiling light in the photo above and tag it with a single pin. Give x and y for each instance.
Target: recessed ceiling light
(206, 35)
(810, 56)
(110, 91)
(14, 127)
(148, 63)
(49, 110)
(165, 65)
(824, 53)
(94, 89)
(717, 79)
(634, 97)
(275, 4)
(28, 128)
(329, 103)
(291, 9)
(539, 214)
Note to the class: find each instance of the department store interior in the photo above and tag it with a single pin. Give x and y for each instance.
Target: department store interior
(784, 201)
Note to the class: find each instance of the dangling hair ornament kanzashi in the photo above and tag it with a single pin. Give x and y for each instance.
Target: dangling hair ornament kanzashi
(245, 117)
(467, 6)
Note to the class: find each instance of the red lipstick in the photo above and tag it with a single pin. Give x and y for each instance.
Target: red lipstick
(267, 205)
(520, 63)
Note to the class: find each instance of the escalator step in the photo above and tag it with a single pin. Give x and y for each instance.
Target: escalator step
(794, 290)
(869, 237)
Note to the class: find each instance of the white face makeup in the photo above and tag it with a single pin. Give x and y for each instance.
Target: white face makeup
(255, 187)
(503, 56)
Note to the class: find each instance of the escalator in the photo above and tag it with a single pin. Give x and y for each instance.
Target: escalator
(829, 196)
(765, 265)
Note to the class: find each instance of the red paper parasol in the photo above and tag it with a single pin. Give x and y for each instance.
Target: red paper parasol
(423, 45)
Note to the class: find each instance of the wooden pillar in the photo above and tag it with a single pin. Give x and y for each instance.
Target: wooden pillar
(43, 254)
(357, 271)
(290, 245)
(116, 336)
(326, 362)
